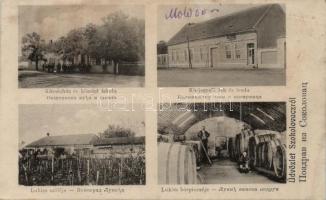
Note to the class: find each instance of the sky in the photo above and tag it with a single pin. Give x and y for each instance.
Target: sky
(169, 27)
(52, 22)
(37, 120)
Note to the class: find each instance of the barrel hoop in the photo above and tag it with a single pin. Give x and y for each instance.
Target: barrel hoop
(186, 167)
(255, 138)
(168, 164)
(178, 164)
(194, 165)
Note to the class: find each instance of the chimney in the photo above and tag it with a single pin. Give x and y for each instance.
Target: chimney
(48, 134)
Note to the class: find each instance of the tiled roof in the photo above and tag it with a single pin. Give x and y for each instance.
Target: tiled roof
(65, 140)
(120, 141)
(237, 22)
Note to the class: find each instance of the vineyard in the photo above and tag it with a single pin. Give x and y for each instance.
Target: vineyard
(74, 170)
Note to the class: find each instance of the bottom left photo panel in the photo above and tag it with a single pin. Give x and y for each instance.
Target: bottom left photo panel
(81, 145)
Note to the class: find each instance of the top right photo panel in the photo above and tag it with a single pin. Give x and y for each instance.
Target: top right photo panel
(221, 45)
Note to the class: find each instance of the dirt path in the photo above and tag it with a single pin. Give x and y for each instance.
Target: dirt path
(207, 77)
(45, 80)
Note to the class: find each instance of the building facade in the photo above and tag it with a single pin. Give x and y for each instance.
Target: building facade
(253, 38)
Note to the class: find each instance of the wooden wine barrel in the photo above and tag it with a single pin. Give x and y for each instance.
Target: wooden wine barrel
(179, 138)
(268, 150)
(197, 148)
(176, 164)
(252, 151)
(279, 156)
(237, 147)
(231, 148)
(242, 142)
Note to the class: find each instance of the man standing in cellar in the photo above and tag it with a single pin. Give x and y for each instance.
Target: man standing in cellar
(203, 136)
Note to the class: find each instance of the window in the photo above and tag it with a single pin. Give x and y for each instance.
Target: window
(228, 52)
(201, 54)
(237, 51)
(177, 56)
(186, 54)
(173, 55)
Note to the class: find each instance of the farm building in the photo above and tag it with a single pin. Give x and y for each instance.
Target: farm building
(252, 38)
(89, 144)
(65, 144)
(257, 128)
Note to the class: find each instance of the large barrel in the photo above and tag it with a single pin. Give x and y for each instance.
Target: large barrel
(253, 151)
(237, 142)
(242, 141)
(176, 164)
(231, 148)
(268, 151)
(279, 156)
(265, 147)
(197, 148)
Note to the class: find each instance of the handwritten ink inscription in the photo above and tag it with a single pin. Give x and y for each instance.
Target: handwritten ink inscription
(188, 12)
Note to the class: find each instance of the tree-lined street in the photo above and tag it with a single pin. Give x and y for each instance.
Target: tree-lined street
(87, 56)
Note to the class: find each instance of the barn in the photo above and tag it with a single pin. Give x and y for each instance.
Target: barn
(251, 38)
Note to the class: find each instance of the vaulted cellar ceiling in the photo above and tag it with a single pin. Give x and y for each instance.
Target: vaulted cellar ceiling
(177, 118)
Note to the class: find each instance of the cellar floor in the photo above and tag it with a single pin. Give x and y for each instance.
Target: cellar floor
(226, 172)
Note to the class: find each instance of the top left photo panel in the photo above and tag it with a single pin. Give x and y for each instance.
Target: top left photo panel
(81, 46)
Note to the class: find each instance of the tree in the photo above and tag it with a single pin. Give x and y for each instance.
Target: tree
(123, 38)
(33, 47)
(75, 43)
(117, 131)
(162, 48)
(93, 41)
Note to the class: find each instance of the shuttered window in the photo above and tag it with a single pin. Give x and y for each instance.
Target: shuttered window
(228, 54)
(237, 51)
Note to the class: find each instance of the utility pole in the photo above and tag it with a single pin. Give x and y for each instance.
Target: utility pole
(189, 55)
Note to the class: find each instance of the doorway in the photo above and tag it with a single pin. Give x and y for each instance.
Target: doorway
(214, 57)
(250, 54)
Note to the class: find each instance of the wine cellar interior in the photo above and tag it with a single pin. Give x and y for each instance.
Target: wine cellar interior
(257, 128)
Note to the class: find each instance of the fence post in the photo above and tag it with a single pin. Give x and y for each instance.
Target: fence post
(104, 178)
(120, 171)
(78, 171)
(141, 176)
(52, 169)
(97, 176)
(87, 171)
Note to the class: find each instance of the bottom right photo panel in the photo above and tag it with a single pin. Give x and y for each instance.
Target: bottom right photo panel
(222, 143)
